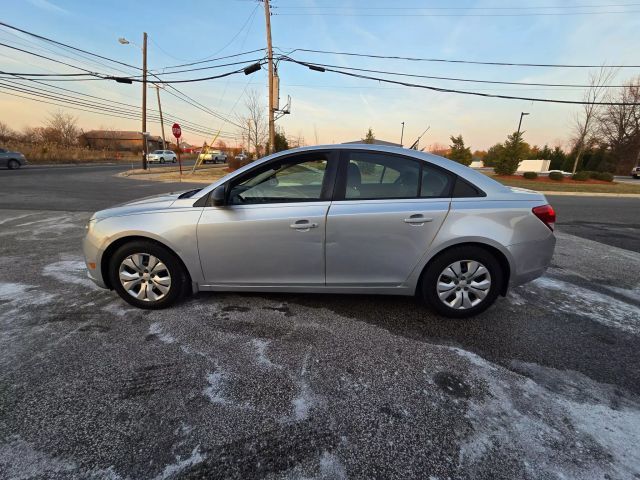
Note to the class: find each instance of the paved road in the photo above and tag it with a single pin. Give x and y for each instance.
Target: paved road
(543, 385)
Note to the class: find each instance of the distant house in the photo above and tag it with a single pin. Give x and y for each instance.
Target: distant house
(375, 142)
(118, 140)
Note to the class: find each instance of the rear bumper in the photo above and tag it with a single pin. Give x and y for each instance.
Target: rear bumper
(530, 260)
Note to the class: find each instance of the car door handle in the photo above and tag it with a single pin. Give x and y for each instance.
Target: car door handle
(417, 219)
(303, 225)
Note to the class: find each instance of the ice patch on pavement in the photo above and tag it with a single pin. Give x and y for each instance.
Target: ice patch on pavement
(261, 351)
(156, 329)
(20, 461)
(70, 271)
(19, 297)
(181, 464)
(553, 431)
(118, 309)
(214, 391)
(574, 299)
(331, 467)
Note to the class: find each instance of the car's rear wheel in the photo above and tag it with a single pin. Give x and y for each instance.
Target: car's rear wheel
(147, 275)
(462, 281)
(13, 164)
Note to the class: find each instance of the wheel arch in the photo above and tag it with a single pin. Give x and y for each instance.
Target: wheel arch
(499, 254)
(116, 244)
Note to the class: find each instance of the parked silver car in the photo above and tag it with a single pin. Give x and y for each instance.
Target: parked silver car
(11, 160)
(337, 219)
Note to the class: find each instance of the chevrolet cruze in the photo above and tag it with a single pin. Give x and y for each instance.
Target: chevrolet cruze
(333, 219)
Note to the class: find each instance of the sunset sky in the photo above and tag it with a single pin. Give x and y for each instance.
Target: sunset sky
(328, 107)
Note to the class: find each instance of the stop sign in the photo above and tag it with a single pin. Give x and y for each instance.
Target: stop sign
(177, 131)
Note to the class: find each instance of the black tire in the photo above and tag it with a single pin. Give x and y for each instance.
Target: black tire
(179, 277)
(174, 160)
(13, 164)
(428, 285)
(162, 160)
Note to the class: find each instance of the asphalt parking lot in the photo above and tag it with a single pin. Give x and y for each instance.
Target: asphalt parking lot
(545, 384)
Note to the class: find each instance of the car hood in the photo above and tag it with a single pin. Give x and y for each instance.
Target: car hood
(141, 205)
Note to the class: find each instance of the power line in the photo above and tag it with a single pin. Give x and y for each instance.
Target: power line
(443, 60)
(41, 37)
(210, 60)
(396, 7)
(448, 90)
(454, 79)
(386, 15)
(50, 59)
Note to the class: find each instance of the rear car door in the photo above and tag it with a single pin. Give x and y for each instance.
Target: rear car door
(271, 232)
(385, 214)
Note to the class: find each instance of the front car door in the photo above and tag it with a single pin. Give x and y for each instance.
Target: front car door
(271, 231)
(386, 212)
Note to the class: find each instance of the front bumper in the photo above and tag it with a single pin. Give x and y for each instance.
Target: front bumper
(93, 257)
(530, 259)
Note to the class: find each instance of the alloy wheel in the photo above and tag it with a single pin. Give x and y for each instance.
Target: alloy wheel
(144, 277)
(463, 284)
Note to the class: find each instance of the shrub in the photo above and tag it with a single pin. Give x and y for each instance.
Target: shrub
(557, 176)
(604, 176)
(530, 175)
(581, 176)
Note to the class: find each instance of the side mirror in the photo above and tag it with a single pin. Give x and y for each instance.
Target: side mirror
(218, 196)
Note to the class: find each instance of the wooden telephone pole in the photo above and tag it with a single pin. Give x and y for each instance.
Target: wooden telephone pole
(272, 126)
(145, 147)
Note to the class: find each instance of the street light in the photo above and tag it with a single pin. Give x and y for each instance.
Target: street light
(402, 134)
(522, 114)
(124, 41)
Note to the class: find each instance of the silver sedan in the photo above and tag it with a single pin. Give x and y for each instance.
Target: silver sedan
(332, 219)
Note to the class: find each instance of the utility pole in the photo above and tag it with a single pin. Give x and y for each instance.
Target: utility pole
(402, 134)
(272, 126)
(145, 147)
(164, 143)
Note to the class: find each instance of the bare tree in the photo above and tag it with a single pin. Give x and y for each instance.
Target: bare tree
(619, 125)
(585, 120)
(6, 133)
(254, 122)
(62, 128)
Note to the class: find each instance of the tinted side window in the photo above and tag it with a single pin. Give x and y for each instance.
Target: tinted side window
(297, 179)
(378, 176)
(436, 183)
(464, 189)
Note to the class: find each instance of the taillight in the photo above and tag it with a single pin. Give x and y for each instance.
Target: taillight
(546, 214)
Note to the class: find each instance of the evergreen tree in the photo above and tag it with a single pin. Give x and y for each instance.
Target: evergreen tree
(459, 153)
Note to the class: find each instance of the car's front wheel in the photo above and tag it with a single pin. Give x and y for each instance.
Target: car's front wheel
(147, 275)
(462, 281)
(13, 164)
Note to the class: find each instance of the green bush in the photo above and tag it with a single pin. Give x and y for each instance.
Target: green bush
(581, 176)
(530, 175)
(557, 176)
(604, 176)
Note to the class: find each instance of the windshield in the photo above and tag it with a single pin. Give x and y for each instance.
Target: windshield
(158, 151)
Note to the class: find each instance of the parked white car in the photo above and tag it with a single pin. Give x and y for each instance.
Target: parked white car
(162, 156)
(213, 156)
